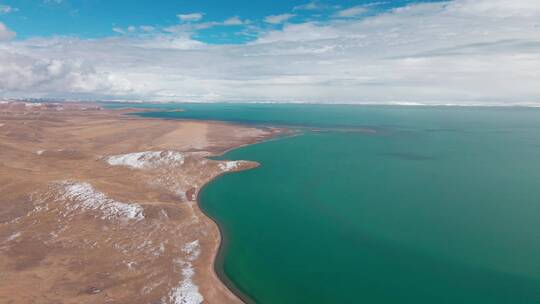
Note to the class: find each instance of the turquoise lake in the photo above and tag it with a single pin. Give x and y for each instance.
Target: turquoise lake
(438, 205)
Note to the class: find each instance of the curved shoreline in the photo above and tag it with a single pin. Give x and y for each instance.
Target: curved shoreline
(276, 132)
(219, 254)
(218, 259)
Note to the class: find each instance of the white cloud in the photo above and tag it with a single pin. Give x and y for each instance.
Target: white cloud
(497, 8)
(464, 51)
(6, 9)
(314, 6)
(118, 30)
(278, 19)
(351, 12)
(192, 27)
(134, 29)
(36, 77)
(193, 17)
(308, 6)
(147, 28)
(233, 21)
(5, 33)
(53, 1)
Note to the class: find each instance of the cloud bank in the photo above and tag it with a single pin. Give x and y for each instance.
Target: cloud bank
(457, 52)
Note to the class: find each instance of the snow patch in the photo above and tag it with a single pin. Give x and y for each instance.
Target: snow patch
(130, 265)
(193, 250)
(163, 214)
(188, 292)
(40, 152)
(229, 166)
(32, 104)
(181, 195)
(147, 160)
(151, 286)
(83, 196)
(13, 236)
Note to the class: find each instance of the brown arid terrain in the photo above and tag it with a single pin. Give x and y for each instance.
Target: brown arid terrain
(100, 207)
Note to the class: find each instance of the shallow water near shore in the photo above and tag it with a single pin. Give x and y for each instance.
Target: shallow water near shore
(380, 204)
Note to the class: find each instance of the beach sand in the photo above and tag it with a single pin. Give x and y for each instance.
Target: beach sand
(100, 207)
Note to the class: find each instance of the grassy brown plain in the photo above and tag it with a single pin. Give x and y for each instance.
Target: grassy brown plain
(84, 220)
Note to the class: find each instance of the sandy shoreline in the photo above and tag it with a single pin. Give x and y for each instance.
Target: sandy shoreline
(101, 207)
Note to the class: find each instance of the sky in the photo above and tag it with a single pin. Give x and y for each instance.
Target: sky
(463, 52)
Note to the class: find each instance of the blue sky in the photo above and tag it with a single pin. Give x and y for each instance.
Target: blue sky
(466, 52)
(97, 18)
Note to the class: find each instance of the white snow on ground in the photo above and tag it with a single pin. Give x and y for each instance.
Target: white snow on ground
(32, 104)
(228, 166)
(40, 152)
(188, 292)
(13, 236)
(84, 196)
(147, 160)
(193, 250)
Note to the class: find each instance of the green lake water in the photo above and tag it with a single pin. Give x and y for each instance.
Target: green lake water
(439, 205)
